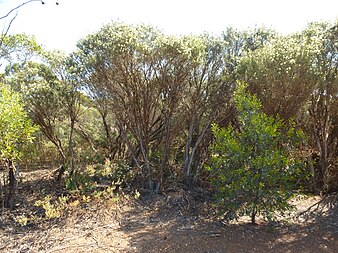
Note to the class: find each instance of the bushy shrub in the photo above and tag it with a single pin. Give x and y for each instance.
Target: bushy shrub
(99, 176)
(254, 166)
(52, 209)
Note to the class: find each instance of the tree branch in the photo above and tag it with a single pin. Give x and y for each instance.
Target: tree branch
(19, 6)
(4, 33)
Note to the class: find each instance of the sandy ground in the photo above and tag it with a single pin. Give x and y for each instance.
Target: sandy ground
(174, 222)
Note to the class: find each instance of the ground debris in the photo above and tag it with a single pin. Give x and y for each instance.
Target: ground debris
(176, 221)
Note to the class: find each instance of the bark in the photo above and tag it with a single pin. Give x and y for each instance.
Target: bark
(193, 152)
(191, 147)
(187, 150)
(253, 216)
(166, 152)
(70, 146)
(108, 135)
(62, 168)
(321, 128)
(3, 190)
(254, 210)
(130, 149)
(145, 153)
(11, 185)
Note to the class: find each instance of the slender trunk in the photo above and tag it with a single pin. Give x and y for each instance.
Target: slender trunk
(199, 139)
(254, 209)
(108, 135)
(130, 149)
(257, 198)
(253, 216)
(2, 190)
(11, 185)
(166, 153)
(145, 154)
(62, 168)
(321, 121)
(187, 151)
(313, 176)
(70, 146)
(17, 170)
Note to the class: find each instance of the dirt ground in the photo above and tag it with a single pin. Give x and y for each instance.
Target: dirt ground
(176, 221)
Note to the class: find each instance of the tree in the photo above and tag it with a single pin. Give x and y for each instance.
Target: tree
(123, 68)
(281, 74)
(16, 132)
(322, 120)
(18, 48)
(63, 68)
(240, 43)
(254, 167)
(206, 96)
(161, 90)
(42, 95)
(296, 76)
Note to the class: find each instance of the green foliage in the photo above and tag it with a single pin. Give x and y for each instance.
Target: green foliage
(130, 93)
(281, 74)
(79, 182)
(118, 173)
(18, 48)
(53, 209)
(254, 167)
(16, 130)
(240, 43)
(92, 177)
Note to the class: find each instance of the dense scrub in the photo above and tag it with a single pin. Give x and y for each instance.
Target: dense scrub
(133, 107)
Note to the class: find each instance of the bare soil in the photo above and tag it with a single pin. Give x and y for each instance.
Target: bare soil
(177, 221)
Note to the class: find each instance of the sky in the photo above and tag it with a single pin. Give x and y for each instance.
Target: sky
(61, 26)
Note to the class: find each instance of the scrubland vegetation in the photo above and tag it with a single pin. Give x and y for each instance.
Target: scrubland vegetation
(249, 117)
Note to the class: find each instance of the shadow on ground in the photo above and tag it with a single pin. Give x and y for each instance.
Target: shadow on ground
(163, 228)
(175, 222)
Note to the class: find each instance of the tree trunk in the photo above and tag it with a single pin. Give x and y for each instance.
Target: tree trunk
(129, 147)
(321, 125)
(108, 135)
(144, 145)
(61, 171)
(191, 149)
(253, 216)
(62, 168)
(256, 200)
(3, 190)
(70, 146)
(187, 158)
(11, 185)
(166, 153)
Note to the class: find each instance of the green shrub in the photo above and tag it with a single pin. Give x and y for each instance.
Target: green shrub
(117, 174)
(254, 166)
(108, 176)
(79, 182)
(53, 209)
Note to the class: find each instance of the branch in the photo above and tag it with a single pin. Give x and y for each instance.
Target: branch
(9, 25)
(19, 6)
(4, 34)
